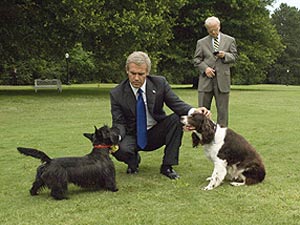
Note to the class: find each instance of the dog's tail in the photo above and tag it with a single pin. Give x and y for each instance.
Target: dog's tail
(34, 153)
(255, 174)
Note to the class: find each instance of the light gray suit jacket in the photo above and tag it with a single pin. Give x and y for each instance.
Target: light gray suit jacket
(204, 58)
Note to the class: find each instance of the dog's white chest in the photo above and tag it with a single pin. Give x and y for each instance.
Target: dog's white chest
(211, 150)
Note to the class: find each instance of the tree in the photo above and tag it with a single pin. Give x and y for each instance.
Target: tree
(287, 68)
(248, 21)
(35, 31)
(109, 29)
(129, 26)
(37, 28)
(106, 31)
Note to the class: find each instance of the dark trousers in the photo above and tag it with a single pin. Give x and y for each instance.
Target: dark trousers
(167, 132)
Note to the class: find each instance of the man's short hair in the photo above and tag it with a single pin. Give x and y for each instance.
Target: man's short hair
(139, 58)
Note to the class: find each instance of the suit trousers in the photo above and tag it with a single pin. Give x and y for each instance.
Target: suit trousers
(221, 99)
(167, 132)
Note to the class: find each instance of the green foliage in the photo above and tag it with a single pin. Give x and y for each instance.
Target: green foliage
(244, 66)
(248, 21)
(81, 68)
(37, 29)
(54, 122)
(35, 35)
(131, 26)
(82, 65)
(108, 31)
(33, 68)
(176, 59)
(287, 22)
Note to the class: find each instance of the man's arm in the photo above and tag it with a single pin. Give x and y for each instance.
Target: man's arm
(199, 57)
(118, 119)
(232, 55)
(174, 102)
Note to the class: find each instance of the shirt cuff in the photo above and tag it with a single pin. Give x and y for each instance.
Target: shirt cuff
(191, 111)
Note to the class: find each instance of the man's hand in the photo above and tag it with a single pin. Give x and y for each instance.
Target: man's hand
(210, 72)
(204, 111)
(221, 54)
(201, 110)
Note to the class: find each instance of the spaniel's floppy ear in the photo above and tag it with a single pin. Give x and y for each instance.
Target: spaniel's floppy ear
(208, 131)
(196, 140)
(199, 120)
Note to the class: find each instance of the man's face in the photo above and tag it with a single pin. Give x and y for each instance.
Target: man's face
(137, 74)
(213, 29)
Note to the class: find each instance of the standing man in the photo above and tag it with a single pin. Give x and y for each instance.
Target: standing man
(214, 56)
(160, 129)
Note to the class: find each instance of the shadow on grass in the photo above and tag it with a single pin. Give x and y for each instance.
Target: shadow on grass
(78, 90)
(73, 191)
(67, 92)
(242, 88)
(252, 89)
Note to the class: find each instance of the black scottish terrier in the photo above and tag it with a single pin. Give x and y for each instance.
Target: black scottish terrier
(94, 170)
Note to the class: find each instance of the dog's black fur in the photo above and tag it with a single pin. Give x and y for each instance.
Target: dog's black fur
(94, 170)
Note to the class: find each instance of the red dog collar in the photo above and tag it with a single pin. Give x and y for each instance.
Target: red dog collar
(102, 146)
(113, 148)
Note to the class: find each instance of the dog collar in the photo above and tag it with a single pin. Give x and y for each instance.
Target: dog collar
(102, 146)
(113, 148)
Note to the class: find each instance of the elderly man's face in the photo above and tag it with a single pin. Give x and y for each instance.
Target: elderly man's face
(213, 29)
(137, 74)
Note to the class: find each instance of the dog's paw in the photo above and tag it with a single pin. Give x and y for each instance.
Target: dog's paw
(237, 184)
(115, 190)
(33, 192)
(208, 179)
(207, 188)
(60, 198)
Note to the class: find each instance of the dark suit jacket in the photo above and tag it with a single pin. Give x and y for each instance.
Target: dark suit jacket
(204, 58)
(158, 93)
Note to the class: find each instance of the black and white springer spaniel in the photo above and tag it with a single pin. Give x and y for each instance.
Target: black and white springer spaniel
(233, 156)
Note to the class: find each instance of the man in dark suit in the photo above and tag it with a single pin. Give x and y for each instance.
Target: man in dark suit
(162, 129)
(214, 56)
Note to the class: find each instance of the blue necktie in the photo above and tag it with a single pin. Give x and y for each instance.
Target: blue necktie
(141, 121)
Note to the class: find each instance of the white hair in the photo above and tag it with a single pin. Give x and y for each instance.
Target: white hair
(212, 20)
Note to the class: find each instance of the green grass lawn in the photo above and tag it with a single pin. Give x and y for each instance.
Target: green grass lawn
(267, 115)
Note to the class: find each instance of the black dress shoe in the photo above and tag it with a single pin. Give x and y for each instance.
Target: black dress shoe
(169, 172)
(133, 167)
(132, 170)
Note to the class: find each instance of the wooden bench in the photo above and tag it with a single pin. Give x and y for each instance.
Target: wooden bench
(47, 83)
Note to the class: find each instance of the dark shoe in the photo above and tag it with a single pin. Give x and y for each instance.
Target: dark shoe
(132, 170)
(169, 172)
(134, 167)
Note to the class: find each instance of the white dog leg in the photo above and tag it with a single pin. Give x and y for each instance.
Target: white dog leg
(218, 175)
(240, 177)
(208, 179)
(236, 184)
